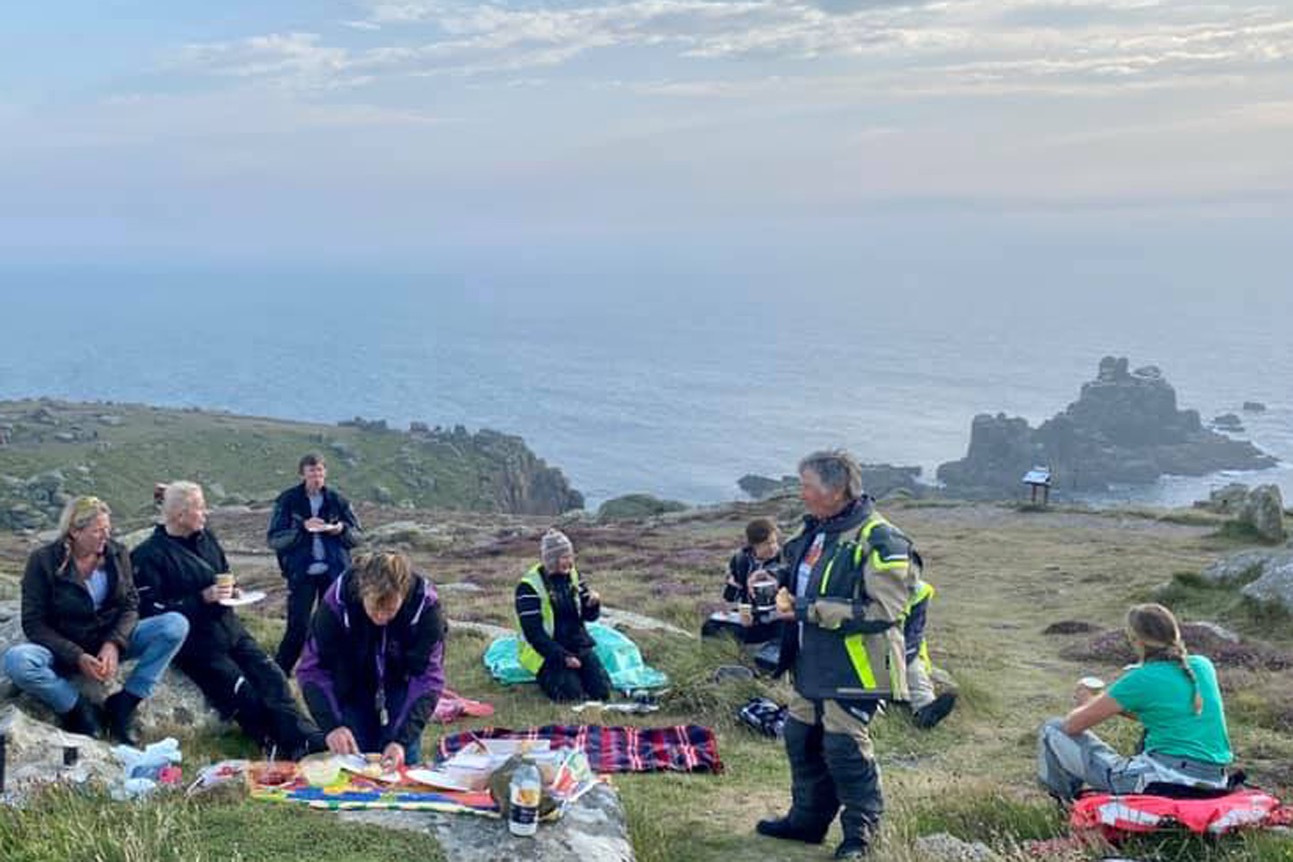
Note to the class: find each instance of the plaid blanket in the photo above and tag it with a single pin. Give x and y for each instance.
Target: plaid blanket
(682, 748)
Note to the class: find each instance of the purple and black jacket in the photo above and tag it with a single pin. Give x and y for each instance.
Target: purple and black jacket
(382, 682)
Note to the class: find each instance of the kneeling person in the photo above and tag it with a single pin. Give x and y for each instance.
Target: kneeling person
(552, 605)
(927, 710)
(176, 569)
(373, 667)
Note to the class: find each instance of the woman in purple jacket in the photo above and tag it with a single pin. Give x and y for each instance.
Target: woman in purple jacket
(373, 666)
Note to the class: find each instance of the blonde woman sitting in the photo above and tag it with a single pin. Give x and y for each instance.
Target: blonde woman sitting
(1173, 694)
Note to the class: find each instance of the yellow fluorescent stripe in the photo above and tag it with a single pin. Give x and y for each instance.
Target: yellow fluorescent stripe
(856, 647)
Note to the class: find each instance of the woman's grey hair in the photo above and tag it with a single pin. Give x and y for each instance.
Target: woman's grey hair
(79, 513)
(178, 497)
(837, 469)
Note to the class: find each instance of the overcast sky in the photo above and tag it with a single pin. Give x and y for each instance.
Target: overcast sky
(291, 128)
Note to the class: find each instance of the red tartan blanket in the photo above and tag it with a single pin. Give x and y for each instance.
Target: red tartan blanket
(682, 748)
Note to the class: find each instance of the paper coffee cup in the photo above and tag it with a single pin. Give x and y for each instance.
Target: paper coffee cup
(746, 612)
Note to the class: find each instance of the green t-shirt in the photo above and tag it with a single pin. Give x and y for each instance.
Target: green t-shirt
(1159, 694)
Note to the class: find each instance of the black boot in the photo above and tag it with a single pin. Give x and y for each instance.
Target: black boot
(931, 714)
(853, 848)
(120, 708)
(82, 718)
(787, 830)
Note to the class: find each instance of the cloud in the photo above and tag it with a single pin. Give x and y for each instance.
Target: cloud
(288, 60)
(970, 44)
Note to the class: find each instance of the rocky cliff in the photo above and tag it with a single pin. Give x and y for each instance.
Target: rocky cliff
(1125, 427)
(50, 450)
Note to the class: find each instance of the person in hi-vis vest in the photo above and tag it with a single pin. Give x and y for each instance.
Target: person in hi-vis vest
(552, 605)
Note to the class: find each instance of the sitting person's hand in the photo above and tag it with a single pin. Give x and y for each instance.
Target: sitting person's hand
(594, 598)
(573, 662)
(211, 594)
(91, 666)
(393, 757)
(341, 741)
(109, 655)
(785, 603)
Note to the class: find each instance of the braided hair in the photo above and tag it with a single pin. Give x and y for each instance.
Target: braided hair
(1156, 630)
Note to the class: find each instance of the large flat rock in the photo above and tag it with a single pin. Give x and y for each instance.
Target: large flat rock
(595, 829)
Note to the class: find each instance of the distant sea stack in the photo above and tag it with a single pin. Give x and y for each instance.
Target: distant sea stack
(1124, 428)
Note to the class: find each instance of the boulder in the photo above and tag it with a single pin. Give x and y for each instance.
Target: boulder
(1275, 586)
(34, 752)
(636, 506)
(594, 829)
(943, 847)
(1226, 500)
(1263, 513)
(1228, 422)
(1244, 567)
(1254, 407)
(176, 706)
(759, 487)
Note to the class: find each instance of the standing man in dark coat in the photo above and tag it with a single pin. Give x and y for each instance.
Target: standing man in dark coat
(845, 587)
(175, 570)
(312, 530)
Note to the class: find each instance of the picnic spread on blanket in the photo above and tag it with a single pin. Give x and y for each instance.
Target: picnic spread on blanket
(571, 760)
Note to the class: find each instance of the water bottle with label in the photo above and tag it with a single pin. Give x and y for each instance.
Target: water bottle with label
(525, 791)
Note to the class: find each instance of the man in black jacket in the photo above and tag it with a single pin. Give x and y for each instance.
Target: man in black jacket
(312, 530)
(175, 570)
(845, 586)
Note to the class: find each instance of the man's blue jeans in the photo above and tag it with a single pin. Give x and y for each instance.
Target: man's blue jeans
(154, 643)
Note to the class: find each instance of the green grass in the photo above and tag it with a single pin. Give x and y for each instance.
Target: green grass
(68, 826)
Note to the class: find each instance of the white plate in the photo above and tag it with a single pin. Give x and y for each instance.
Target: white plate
(244, 599)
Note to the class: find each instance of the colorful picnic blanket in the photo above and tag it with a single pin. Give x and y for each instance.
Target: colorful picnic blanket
(1120, 815)
(619, 655)
(682, 748)
(356, 792)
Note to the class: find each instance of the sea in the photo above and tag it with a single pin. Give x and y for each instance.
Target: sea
(670, 380)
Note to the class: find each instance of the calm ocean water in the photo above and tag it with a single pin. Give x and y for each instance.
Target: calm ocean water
(637, 380)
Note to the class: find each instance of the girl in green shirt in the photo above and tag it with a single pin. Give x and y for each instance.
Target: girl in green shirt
(1173, 694)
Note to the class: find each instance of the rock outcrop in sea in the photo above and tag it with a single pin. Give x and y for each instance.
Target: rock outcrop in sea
(1124, 428)
(879, 480)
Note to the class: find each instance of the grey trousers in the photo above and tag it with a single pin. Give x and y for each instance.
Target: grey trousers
(1066, 764)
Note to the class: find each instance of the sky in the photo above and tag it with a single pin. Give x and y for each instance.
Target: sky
(359, 129)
